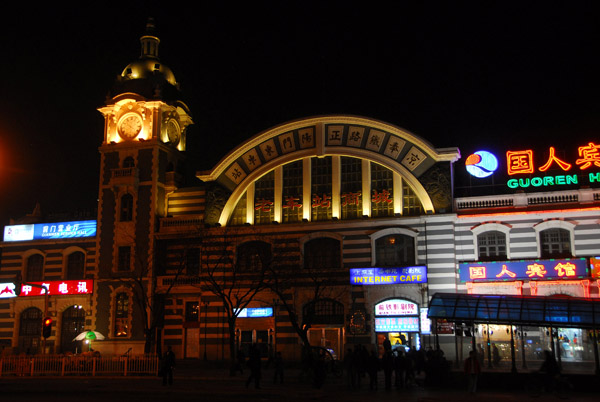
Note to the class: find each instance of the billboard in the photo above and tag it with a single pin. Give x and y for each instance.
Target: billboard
(570, 268)
(50, 231)
(73, 287)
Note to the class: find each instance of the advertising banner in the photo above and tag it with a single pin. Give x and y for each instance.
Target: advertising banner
(75, 287)
(571, 268)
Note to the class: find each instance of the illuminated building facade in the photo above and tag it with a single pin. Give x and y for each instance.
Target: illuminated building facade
(358, 212)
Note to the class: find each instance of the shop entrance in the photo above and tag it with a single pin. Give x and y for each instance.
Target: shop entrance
(329, 338)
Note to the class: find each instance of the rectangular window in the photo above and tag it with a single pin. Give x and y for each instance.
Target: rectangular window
(351, 189)
(264, 197)
(191, 311)
(382, 187)
(124, 259)
(292, 192)
(321, 188)
(193, 262)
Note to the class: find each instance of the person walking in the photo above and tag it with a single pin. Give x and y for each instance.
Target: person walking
(254, 364)
(372, 369)
(472, 370)
(168, 363)
(495, 355)
(278, 363)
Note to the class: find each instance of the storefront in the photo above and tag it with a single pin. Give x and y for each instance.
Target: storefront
(255, 325)
(398, 321)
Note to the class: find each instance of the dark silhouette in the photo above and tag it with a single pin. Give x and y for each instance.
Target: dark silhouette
(241, 361)
(495, 355)
(550, 370)
(372, 369)
(168, 363)
(254, 364)
(278, 362)
(350, 368)
(472, 370)
(388, 368)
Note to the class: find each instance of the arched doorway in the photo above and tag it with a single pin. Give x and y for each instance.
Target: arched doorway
(30, 330)
(73, 323)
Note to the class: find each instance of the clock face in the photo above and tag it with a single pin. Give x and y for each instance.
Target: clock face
(173, 131)
(130, 126)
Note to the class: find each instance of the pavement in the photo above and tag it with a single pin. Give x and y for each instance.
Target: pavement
(209, 381)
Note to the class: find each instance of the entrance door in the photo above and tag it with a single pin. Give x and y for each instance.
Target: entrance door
(326, 337)
(192, 343)
(73, 323)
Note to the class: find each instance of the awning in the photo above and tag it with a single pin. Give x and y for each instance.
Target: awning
(568, 312)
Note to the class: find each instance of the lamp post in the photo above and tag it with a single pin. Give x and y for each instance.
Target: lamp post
(206, 303)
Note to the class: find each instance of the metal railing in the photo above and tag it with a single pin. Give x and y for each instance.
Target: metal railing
(78, 365)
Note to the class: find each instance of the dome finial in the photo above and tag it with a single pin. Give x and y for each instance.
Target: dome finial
(149, 41)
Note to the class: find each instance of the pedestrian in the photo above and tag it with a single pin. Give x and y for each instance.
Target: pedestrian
(278, 362)
(241, 361)
(550, 370)
(400, 367)
(495, 355)
(350, 368)
(254, 364)
(388, 368)
(168, 363)
(472, 370)
(372, 369)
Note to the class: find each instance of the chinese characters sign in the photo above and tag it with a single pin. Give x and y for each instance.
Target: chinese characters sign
(256, 312)
(388, 276)
(531, 269)
(57, 288)
(397, 324)
(396, 307)
(50, 231)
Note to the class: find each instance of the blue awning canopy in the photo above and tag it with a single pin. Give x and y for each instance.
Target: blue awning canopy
(571, 312)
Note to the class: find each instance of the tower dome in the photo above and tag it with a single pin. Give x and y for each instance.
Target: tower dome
(147, 76)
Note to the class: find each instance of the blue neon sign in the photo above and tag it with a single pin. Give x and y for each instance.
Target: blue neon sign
(50, 231)
(388, 276)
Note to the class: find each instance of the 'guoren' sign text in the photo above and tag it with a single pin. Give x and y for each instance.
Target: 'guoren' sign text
(388, 276)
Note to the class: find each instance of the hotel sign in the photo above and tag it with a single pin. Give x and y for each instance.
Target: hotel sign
(388, 276)
(571, 268)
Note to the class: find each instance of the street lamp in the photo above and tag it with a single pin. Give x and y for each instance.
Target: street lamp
(206, 303)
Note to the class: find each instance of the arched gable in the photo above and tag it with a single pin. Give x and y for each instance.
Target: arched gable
(404, 153)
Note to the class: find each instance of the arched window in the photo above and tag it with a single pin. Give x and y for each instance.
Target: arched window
(121, 315)
(323, 311)
(394, 250)
(555, 243)
(76, 265)
(253, 256)
(35, 268)
(30, 330)
(322, 253)
(128, 162)
(73, 323)
(491, 246)
(126, 208)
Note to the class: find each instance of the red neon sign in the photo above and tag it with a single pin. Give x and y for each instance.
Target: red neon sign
(521, 162)
(57, 288)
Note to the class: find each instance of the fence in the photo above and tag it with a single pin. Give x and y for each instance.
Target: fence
(78, 365)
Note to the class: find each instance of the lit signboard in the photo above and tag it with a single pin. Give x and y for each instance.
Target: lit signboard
(425, 321)
(397, 324)
(7, 290)
(481, 164)
(50, 231)
(57, 288)
(256, 312)
(396, 307)
(388, 276)
(595, 266)
(530, 269)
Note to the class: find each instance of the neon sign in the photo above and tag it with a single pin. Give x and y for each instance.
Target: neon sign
(481, 164)
(397, 324)
(256, 312)
(7, 290)
(388, 276)
(50, 231)
(396, 307)
(531, 269)
(75, 287)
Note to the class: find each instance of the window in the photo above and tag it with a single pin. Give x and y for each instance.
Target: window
(35, 268)
(253, 256)
(491, 246)
(76, 265)
(128, 162)
(382, 185)
(323, 311)
(322, 253)
(555, 243)
(121, 315)
(192, 264)
(264, 190)
(124, 259)
(351, 191)
(292, 192)
(321, 188)
(126, 208)
(394, 251)
(191, 311)
(30, 330)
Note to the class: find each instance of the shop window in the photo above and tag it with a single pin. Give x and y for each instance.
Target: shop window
(76, 265)
(30, 330)
(192, 310)
(395, 250)
(292, 192)
(126, 208)
(124, 259)
(491, 246)
(321, 188)
(264, 190)
(322, 253)
(382, 197)
(351, 189)
(121, 315)
(555, 243)
(253, 256)
(193, 262)
(35, 268)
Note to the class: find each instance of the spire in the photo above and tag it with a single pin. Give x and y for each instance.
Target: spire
(149, 41)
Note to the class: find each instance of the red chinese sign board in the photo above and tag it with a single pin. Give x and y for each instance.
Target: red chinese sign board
(57, 288)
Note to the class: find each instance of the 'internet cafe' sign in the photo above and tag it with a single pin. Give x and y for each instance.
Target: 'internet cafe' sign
(388, 276)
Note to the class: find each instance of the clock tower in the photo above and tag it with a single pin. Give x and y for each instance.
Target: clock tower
(142, 161)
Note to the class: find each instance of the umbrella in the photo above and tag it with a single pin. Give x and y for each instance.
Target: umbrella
(89, 335)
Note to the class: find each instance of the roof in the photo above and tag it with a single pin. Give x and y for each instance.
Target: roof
(563, 311)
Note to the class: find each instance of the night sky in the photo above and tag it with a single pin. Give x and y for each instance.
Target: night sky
(459, 74)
